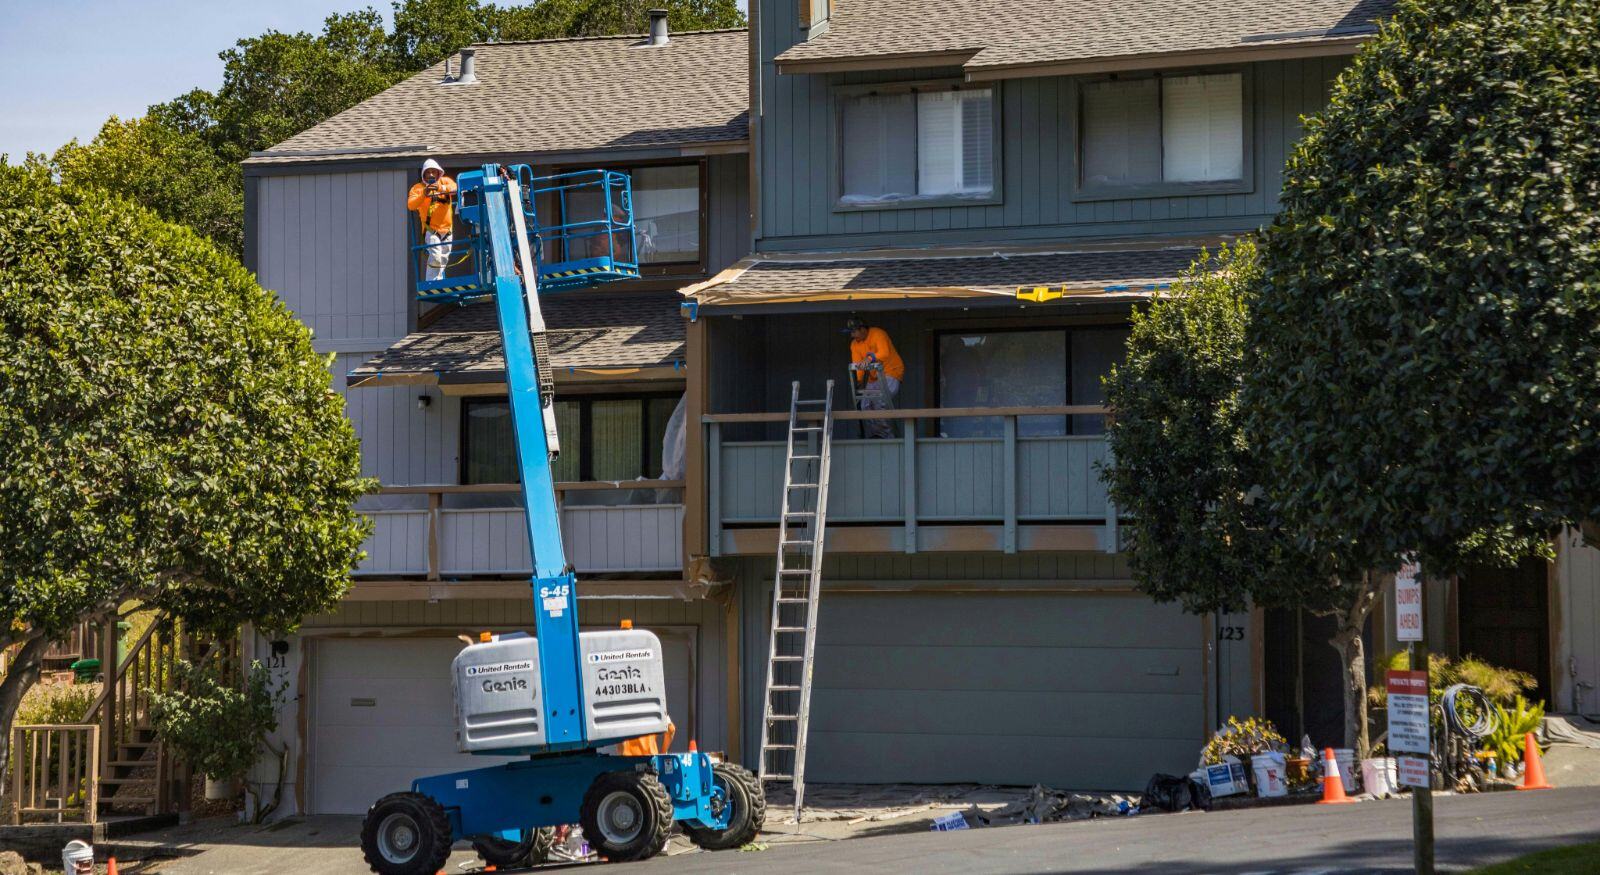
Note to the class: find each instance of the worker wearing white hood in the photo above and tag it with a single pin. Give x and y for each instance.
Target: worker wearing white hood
(433, 200)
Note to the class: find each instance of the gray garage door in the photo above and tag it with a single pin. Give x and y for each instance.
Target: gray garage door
(1080, 691)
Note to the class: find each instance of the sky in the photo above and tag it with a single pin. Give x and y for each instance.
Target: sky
(68, 64)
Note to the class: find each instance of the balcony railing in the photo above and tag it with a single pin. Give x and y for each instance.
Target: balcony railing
(443, 532)
(1006, 493)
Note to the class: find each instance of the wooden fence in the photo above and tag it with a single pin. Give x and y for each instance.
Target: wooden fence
(55, 774)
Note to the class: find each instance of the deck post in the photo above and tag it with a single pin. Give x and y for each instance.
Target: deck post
(714, 487)
(1010, 499)
(908, 491)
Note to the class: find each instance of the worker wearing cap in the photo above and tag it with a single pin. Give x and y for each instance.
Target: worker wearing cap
(433, 200)
(870, 344)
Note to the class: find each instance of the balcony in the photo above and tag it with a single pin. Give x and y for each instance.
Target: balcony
(450, 533)
(1008, 493)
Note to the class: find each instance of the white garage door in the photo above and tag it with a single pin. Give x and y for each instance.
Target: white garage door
(1077, 691)
(383, 715)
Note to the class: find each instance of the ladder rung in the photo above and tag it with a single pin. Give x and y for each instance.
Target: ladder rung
(783, 688)
(771, 717)
(780, 747)
(804, 458)
(788, 658)
(801, 543)
(800, 428)
(800, 513)
(812, 401)
(774, 776)
(794, 571)
(790, 629)
(803, 485)
(784, 601)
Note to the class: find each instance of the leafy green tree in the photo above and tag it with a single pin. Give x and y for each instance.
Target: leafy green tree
(1423, 358)
(172, 172)
(171, 436)
(1204, 536)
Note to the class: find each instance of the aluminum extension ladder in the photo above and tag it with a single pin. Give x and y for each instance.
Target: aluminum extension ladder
(798, 582)
(866, 382)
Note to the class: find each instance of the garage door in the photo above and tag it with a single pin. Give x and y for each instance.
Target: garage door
(384, 714)
(1080, 691)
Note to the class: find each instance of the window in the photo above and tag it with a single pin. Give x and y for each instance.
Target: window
(1166, 134)
(908, 145)
(1026, 368)
(815, 12)
(666, 216)
(602, 438)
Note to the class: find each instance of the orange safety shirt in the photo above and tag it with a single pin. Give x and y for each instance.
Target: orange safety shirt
(879, 345)
(436, 215)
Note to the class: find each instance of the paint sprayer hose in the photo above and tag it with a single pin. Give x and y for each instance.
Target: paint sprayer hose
(1461, 694)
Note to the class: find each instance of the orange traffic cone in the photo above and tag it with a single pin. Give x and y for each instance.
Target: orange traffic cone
(1332, 783)
(1532, 767)
(111, 866)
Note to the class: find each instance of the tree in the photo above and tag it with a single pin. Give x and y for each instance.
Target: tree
(171, 436)
(1420, 364)
(1205, 535)
(172, 172)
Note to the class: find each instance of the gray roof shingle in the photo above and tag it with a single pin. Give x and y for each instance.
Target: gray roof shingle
(586, 331)
(986, 37)
(799, 279)
(568, 95)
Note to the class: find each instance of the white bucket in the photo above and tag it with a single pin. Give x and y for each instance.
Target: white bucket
(1271, 774)
(1380, 776)
(1349, 769)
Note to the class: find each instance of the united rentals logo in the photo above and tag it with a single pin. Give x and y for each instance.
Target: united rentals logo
(499, 668)
(620, 656)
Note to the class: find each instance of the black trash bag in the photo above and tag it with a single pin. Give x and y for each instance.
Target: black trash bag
(1174, 793)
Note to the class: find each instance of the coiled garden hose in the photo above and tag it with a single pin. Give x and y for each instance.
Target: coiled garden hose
(1464, 696)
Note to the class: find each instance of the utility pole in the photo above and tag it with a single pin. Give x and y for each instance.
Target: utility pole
(1422, 797)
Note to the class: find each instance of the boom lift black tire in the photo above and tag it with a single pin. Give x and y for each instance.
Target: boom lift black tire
(749, 812)
(406, 834)
(636, 794)
(533, 850)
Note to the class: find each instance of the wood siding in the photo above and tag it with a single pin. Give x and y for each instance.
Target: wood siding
(1575, 626)
(1039, 161)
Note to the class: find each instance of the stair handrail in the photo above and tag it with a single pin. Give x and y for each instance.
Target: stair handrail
(112, 680)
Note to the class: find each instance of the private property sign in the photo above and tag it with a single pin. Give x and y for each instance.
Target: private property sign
(1408, 602)
(1408, 711)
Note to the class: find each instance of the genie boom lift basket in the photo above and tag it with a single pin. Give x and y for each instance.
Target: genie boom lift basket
(556, 697)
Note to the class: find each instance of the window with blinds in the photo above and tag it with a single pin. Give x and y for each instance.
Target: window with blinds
(917, 145)
(602, 438)
(1177, 130)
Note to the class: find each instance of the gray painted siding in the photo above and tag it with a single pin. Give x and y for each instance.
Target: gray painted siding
(400, 443)
(1039, 162)
(469, 616)
(1576, 626)
(333, 246)
(728, 222)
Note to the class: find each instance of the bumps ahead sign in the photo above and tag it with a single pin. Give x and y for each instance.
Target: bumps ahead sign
(1408, 602)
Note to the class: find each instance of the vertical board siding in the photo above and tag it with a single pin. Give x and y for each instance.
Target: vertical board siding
(1039, 161)
(402, 442)
(1060, 477)
(398, 545)
(334, 248)
(728, 224)
(960, 478)
(1578, 633)
(485, 541)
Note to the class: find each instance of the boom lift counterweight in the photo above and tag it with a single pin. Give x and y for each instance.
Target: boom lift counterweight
(559, 696)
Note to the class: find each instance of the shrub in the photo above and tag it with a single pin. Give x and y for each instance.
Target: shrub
(1241, 738)
(217, 728)
(57, 703)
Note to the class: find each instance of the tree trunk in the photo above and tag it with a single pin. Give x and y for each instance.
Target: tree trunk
(20, 677)
(1352, 652)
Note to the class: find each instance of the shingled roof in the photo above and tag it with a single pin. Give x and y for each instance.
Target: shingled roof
(549, 96)
(815, 278)
(988, 39)
(588, 332)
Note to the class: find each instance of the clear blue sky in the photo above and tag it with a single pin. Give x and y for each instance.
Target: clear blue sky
(68, 64)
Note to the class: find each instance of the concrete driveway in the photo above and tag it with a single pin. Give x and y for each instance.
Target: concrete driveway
(1369, 837)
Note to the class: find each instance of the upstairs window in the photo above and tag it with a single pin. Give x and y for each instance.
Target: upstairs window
(1160, 136)
(667, 218)
(602, 438)
(923, 145)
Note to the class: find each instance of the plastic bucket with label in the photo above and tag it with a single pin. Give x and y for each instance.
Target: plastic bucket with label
(1349, 769)
(1270, 774)
(1379, 776)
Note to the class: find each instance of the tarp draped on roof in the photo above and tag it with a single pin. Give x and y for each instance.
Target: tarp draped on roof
(596, 334)
(815, 278)
(557, 96)
(987, 39)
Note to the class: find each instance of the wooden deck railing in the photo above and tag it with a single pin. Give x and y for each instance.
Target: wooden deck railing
(55, 773)
(1024, 491)
(438, 542)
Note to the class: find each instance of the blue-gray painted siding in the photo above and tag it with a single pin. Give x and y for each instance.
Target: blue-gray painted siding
(1039, 162)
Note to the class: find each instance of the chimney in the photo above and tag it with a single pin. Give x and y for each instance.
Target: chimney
(658, 27)
(469, 67)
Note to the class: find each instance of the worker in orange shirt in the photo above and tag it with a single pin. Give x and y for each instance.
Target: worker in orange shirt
(869, 344)
(433, 200)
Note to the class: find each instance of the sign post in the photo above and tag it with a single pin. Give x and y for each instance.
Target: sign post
(1410, 730)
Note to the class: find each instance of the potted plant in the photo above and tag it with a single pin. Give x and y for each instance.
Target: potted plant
(218, 728)
(1243, 739)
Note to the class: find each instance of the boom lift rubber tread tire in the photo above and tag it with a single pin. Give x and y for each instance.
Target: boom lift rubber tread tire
(430, 823)
(749, 813)
(531, 851)
(653, 799)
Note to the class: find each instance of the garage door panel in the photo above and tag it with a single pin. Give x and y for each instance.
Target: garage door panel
(1089, 764)
(376, 702)
(1086, 620)
(1078, 690)
(973, 713)
(1001, 667)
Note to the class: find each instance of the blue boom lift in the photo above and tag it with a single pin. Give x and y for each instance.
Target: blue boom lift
(559, 696)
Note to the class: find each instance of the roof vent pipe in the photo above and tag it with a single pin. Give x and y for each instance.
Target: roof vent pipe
(469, 67)
(658, 27)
